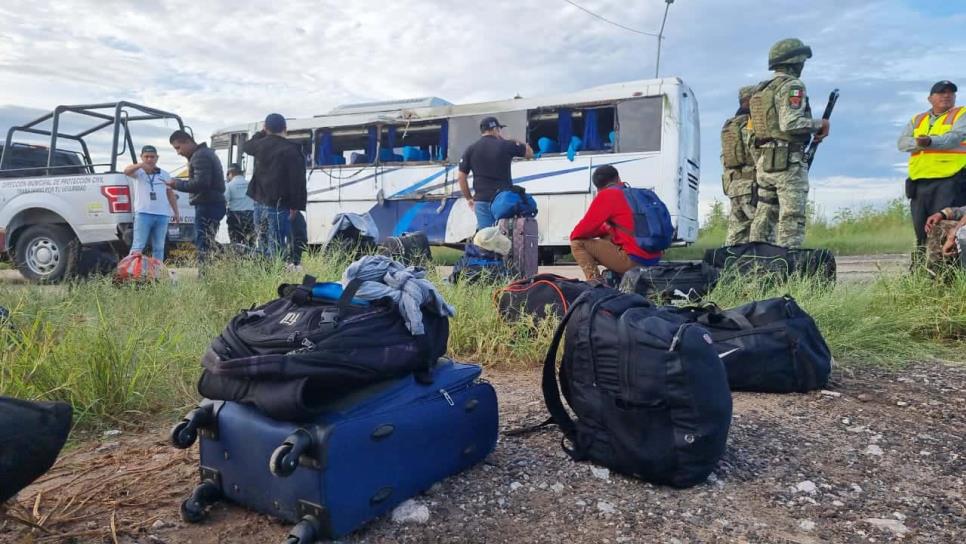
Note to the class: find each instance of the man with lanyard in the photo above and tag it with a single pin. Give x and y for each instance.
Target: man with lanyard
(154, 203)
(489, 160)
(936, 143)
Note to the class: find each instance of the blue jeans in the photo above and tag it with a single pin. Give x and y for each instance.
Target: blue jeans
(484, 216)
(272, 226)
(207, 218)
(298, 237)
(153, 228)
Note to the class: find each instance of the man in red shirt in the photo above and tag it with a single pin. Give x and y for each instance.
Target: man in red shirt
(605, 234)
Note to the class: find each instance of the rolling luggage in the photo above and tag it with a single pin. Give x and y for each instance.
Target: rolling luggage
(523, 259)
(367, 453)
(411, 248)
(762, 258)
(669, 280)
(540, 296)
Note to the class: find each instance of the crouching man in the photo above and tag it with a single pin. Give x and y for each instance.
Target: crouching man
(955, 235)
(605, 234)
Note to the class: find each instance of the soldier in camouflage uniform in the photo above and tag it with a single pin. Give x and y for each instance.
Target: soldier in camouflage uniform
(738, 177)
(782, 124)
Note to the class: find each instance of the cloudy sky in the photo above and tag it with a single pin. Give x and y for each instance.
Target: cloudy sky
(222, 62)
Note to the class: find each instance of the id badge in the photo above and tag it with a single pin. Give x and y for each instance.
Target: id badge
(153, 195)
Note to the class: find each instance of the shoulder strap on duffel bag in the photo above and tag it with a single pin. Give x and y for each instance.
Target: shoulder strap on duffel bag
(551, 389)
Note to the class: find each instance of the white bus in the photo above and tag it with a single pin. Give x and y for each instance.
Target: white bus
(397, 160)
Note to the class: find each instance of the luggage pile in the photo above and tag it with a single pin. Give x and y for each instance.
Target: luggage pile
(332, 404)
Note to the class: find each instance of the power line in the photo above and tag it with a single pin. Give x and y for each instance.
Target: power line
(606, 20)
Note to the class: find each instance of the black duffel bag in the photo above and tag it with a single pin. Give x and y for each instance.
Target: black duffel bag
(770, 346)
(31, 436)
(648, 389)
(293, 353)
(411, 248)
(540, 296)
(669, 280)
(762, 258)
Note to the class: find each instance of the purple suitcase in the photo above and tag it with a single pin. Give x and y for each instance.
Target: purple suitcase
(524, 240)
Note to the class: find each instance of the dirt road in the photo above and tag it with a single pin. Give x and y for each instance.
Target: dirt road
(878, 458)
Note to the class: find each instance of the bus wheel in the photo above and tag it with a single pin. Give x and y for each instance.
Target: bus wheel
(44, 253)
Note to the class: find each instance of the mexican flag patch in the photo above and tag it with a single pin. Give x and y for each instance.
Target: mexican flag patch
(795, 96)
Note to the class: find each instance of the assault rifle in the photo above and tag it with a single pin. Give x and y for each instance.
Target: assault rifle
(833, 97)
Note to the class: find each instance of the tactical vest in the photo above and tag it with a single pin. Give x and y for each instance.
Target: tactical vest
(937, 163)
(733, 151)
(764, 112)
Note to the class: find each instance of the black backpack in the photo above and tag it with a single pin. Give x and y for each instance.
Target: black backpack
(668, 280)
(762, 258)
(31, 435)
(305, 346)
(769, 346)
(479, 265)
(648, 389)
(539, 296)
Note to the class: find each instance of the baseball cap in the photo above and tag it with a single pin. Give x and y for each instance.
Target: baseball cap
(490, 123)
(275, 122)
(943, 85)
(234, 167)
(149, 149)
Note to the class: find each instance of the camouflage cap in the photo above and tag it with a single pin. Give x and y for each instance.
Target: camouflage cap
(745, 92)
(788, 51)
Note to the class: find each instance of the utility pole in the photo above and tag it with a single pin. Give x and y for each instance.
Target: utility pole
(660, 37)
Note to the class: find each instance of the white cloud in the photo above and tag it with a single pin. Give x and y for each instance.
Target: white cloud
(225, 62)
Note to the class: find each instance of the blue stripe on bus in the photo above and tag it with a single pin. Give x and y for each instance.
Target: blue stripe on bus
(422, 182)
(402, 226)
(353, 182)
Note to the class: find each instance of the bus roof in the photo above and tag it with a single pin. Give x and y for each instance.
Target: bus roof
(614, 91)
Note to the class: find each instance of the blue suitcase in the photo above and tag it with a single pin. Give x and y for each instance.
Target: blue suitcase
(365, 455)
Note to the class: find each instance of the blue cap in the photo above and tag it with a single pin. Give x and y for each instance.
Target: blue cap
(275, 123)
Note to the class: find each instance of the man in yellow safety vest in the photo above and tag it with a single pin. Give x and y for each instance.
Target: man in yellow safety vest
(936, 143)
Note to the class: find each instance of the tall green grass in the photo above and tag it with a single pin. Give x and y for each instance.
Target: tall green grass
(122, 354)
(869, 230)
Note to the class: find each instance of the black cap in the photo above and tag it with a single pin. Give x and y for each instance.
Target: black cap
(149, 149)
(489, 123)
(944, 85)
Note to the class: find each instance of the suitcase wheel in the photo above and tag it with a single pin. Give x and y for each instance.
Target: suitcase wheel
(285, 458)
(305, 531)
(184, 434)
(193, 509)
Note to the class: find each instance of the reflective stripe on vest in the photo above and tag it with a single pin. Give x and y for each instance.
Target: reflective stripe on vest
(937, 163)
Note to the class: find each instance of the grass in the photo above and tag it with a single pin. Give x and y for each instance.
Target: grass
(866, 231)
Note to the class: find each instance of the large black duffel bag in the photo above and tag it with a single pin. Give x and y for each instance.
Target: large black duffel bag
(289, 355)
(668, 280)
(648, 389)
(762, 258)
(31, 436)
(539, 296)
(770, 346)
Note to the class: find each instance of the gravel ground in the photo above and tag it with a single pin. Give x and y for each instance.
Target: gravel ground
(877, 458)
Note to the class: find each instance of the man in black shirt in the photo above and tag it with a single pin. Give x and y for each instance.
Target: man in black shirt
(206, 185)
(489, 159)
(278, 184)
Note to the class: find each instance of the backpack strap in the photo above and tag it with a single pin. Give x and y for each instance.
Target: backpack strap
(551, 389)
(301, 294)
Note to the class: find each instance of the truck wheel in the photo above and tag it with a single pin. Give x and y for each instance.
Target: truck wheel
(44, 253)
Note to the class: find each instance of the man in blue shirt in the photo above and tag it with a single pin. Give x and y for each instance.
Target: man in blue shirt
(489, 159)
(241, 208)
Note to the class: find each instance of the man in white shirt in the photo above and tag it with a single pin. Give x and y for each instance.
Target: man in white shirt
(154, 203)
(241, 222)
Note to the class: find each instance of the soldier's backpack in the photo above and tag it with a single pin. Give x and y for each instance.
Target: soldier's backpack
(772, 261)
(733, 152)
(648, 389)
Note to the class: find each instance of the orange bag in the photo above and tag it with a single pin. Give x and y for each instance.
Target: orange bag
(139, 268)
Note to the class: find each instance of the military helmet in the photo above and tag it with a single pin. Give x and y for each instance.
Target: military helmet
(745, 93)
(788, 51)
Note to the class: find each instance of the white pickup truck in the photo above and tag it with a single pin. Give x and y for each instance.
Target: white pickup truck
(56, 204)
